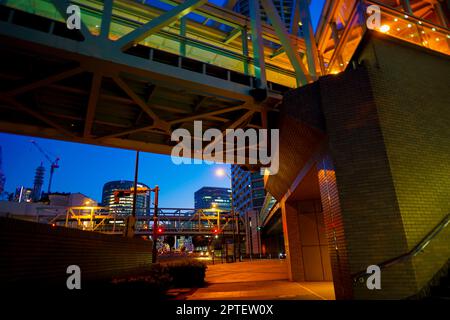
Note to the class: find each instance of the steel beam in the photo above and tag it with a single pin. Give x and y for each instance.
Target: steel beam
(301, 73)
(106, 18)
(206, 114)
(183, 22)
(311, 47)
(158, 123)
(44, 82)
(92, 103)
(232, 35)
(38, 115)
(244, 41)
(257, 43)
(158, 23)
(407, 6)
(127, 132)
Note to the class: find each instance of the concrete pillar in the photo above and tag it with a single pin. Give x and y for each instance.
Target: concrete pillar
(314, 243)
(292, 242)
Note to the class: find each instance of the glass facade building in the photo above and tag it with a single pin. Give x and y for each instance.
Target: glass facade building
(248, 190)
(125, 203)
(207, 196)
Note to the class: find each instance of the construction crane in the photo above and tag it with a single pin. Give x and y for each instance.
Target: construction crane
(53, 163)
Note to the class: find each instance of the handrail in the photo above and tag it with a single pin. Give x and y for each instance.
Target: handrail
(359, 276)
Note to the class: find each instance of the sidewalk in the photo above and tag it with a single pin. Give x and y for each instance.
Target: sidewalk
(258, 280)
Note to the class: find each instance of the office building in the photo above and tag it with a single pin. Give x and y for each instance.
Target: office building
(248, 190)
(213, 197)
(123, 204)
(23, 194)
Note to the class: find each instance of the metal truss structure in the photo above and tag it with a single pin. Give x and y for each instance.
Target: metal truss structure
(135, 72)
(172, 221)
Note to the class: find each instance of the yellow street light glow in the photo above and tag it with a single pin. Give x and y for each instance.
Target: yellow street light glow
(398, 29)
(385, 28)
(406, 16)
(409, 25)
(396, 19)
(434, 29)
(220, 172)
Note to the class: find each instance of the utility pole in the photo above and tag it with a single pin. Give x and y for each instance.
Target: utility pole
(136, 173)
(155, 225)
(131, 220)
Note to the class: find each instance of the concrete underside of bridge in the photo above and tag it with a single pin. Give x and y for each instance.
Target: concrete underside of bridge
(364, 172)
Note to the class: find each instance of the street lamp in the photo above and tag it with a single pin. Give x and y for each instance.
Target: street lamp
(221, 172)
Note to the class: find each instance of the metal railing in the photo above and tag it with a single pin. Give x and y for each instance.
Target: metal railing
(360, 276)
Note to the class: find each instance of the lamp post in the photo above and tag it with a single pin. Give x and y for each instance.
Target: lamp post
(220, 173)
(155, 225)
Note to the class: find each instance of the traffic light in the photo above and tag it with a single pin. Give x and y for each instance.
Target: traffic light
(215, 231)
(160, 230)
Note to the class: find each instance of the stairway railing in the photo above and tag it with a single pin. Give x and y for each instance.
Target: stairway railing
(361, 275)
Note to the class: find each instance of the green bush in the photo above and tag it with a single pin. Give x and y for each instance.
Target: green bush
(154, 281)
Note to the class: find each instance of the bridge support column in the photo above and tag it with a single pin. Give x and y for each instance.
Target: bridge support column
(292, 242)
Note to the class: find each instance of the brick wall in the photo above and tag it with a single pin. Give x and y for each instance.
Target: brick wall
(332, 213)
(411, 91)
(36, 255)
(371, 218)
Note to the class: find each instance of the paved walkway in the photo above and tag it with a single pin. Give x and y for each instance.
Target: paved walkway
(258, 280)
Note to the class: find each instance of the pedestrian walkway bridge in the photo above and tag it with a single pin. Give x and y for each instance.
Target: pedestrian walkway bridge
(171, 221)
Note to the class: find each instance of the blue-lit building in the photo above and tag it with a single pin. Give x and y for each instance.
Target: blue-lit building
(125, 203)
(207, 196)
(248, 190)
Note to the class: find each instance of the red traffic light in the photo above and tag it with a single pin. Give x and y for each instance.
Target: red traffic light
(160, 230)
(215, 231)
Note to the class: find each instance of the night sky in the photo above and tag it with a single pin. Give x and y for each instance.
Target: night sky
(85, 168)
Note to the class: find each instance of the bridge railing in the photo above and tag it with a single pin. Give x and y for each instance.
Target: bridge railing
(394, 23)
(170, 220)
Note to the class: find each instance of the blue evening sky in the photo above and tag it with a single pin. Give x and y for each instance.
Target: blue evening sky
(85, 168)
